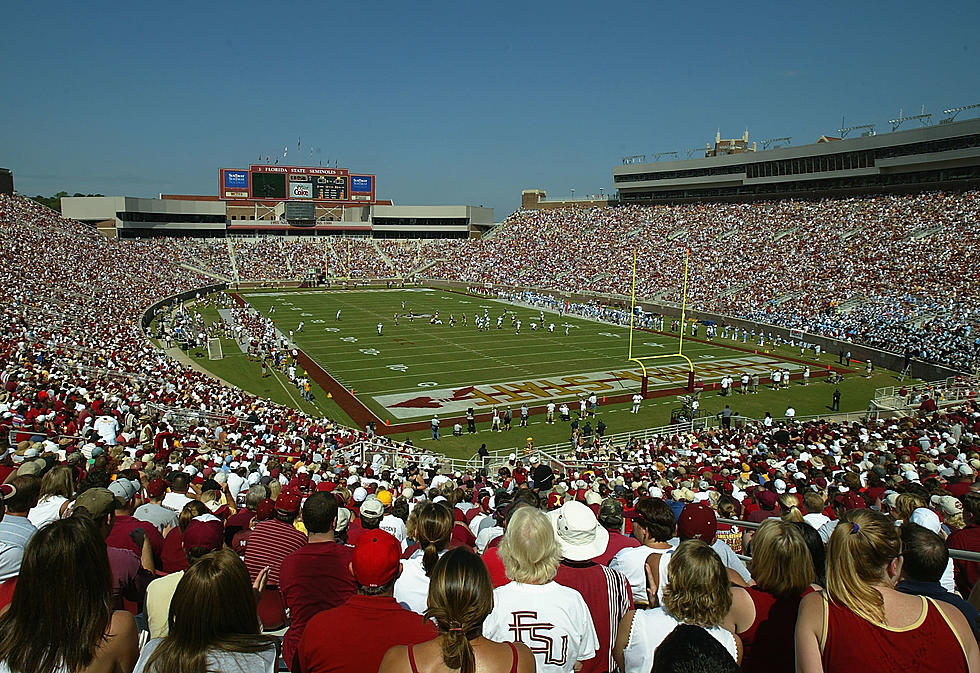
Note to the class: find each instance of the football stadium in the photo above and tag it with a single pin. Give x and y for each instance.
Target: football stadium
(723, 417)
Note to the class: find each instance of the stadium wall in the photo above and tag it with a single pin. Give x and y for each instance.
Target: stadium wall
(154, 308)
(920, 370)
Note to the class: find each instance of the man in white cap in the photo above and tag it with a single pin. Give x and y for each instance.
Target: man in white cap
(606, 591)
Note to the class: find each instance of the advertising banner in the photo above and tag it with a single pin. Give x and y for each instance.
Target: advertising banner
(361, 184)
(236, 179)
(300, 190)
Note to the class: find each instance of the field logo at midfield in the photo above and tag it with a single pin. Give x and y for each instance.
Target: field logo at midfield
(539, 390)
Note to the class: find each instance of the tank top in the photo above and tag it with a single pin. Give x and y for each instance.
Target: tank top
(851, 643)
(513, 651)
(768, 645)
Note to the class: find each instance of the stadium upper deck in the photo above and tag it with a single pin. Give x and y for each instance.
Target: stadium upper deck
(945, 156)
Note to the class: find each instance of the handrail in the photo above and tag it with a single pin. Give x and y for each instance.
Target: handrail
(957, 554)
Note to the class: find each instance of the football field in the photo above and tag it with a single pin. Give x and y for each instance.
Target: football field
(425, 365)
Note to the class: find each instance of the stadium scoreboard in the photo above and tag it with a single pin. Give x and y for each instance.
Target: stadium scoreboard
(295, 183)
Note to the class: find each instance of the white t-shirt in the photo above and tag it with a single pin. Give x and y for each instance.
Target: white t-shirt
(650, 628)
(108, 428)
(392, 524)
(816, 519)
(412, 586)
(551, 619)
(48, 509)
(175, 501)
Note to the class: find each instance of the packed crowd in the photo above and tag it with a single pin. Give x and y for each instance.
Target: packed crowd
(314, 558)
(887, 271)
(141, 500)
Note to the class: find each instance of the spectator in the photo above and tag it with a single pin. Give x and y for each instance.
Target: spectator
(606, 591)
(57, 490)
(432, 531)
(65, 593)
(128, 531)
(966, 573)
(174, 556)
(273, 540)
(692, 649)
(202, 535)
(213, 623)
(370, 622)
(653, 526)
(317, 576)
(764, 615)
(611, 518)
(152, 511)
(178, 495)
(533, 608)
(863, 623)
(696, 593)
(15, 528)
(924, 560)
(460, 599)
(131, 574)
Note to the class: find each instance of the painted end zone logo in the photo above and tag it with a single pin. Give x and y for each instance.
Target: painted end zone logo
(482, 397)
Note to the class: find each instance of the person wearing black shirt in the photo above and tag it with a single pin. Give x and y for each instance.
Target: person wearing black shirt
(543, 476)
(484, 456)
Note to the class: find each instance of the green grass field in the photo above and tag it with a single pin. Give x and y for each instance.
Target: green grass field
(415, 369)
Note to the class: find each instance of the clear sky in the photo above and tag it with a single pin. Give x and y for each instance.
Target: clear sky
(450, 102)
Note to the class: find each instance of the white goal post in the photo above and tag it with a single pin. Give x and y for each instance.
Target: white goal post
(214, 349)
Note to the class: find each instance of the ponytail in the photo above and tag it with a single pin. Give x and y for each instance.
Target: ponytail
(429, 557)
(861, 547)
(791, 508)
(433, 528)
(457, 652)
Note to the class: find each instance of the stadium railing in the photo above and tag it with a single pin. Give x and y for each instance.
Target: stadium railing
(957, 554)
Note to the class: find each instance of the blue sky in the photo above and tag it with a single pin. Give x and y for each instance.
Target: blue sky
(450, 103)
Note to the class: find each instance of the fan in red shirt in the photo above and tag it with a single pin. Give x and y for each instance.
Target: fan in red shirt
(355, 636)
(315, 577)
(272, 541)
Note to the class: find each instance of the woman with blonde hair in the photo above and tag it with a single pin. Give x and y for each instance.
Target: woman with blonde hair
(460, 598)
(57, 490)
(531, 554)
(789, 508)
(431, 530)
(905, 504)
(764, 615)
(697, 593)
(863, 623)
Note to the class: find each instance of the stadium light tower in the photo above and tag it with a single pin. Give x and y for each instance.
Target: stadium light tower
(634, 159)
(922, 117)
(766, 143)
(659, 155)
(952, 112)
(844, 131)
(573, 193)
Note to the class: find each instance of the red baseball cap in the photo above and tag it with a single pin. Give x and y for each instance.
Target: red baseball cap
(156, 488)
(207, 534)
(264, 509)
(376, 558)
(697, 522)
(288, 502)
